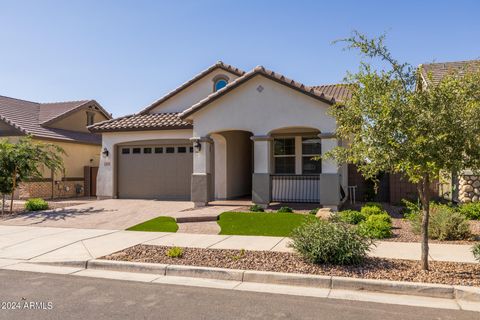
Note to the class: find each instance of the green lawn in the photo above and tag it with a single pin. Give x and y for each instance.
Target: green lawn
(159, 224)
(261, 223)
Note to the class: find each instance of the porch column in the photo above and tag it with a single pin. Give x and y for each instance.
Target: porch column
(329, 178)
(202, 190)
(261, 181)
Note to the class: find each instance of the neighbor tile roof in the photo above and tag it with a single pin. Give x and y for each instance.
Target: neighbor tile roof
(30, 118)
(139, 122)
(439, 70)
(340, 92)
(310, 91)
(217, 65)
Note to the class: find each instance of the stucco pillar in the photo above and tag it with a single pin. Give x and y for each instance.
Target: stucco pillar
(329, 178)
(201, 191)
(261, 181)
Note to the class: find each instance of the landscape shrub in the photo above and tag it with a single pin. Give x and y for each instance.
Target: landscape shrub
(36, 204)
(373, 204)
(320, 241)
(175, 252)
(314, 211)
(377, 226)
(285, 210)
(348, 216)
(256, 208)
(476, 251)
(371, 210)
(470, 210)
(445, 223)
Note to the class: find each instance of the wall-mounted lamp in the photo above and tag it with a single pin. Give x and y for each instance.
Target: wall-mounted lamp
(105, 152)
(197, 146)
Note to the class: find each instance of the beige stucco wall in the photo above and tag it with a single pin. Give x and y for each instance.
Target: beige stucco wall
(78, 120)
(192, 94)
(107, 167)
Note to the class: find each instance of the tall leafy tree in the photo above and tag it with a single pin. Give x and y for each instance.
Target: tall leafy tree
(25, 160)
(394, 123)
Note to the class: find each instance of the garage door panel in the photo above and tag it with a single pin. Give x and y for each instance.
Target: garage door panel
(155, 175)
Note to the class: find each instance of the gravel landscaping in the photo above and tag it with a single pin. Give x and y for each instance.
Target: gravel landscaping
(467, 274)
(19, 208)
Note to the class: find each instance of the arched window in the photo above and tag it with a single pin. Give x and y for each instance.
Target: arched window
(219, 84)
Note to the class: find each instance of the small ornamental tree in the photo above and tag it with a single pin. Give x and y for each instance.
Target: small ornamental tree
(393, 122)
(25, 160)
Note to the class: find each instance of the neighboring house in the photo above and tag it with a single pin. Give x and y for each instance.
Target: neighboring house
(465, 186)
(63, 124)
(226, 134)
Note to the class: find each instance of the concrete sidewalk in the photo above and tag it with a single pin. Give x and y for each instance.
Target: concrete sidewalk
(45, 244)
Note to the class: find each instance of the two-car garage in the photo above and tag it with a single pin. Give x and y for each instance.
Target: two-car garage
(155, 170)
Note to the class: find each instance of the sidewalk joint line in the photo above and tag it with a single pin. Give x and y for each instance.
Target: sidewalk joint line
(227, 237)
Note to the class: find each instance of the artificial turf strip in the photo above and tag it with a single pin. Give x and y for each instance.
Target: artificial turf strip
(261, 223)
(158, 224)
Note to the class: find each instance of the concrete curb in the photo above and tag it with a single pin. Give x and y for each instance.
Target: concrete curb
(471, 294)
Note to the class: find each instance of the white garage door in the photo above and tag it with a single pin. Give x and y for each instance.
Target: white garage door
(155, 171)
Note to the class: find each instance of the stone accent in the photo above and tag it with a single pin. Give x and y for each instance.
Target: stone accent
(43, 189)
(469, 188)
(261, 189)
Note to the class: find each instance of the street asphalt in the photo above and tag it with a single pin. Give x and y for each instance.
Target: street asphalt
(25, 295)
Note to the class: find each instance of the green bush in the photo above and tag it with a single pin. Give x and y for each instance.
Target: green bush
(373, 204)
(470, 210)
(320, 241)
(476, 251)
(36, 204)
(285, 210)
(348, 216)
(377, 226)
(445, 223)
(371, 210)
(313, 211)
(175, 252)
(256, 208)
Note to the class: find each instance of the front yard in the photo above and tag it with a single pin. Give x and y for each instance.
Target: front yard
(159, 224)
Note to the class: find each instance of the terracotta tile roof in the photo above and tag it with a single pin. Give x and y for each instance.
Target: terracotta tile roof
(439, 70)
(339, 92)
(217, 65)
(140, 122)
(27, 117)
(259, 70)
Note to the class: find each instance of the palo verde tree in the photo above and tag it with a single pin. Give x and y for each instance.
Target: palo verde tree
(25, 160)
(398, 123)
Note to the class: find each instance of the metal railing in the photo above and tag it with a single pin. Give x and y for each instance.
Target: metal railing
(296, 188)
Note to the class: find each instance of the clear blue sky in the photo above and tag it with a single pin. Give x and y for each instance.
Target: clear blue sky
(126, 54)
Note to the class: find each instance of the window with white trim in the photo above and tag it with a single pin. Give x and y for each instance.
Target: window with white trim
(284, 155)
(311, 150)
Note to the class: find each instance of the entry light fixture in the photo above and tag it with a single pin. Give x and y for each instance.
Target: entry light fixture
(197, 146)
(105, 152)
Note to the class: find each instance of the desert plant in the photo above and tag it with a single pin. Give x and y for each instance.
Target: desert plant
(36, 204)
(313, 211)
(371, 210)
(256, 208)
(377, 226)
(320, 241)
(285, 210)
(175, 252)
(470, 210)
(348, 216)
(445, 223)
(476, 251)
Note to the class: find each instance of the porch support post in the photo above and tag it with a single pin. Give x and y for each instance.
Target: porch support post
(261, 180)
(330, 177)
(202, 184)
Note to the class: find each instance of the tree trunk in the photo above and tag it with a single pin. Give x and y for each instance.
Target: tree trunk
(424, 193)
(3, 204)
(13, 189)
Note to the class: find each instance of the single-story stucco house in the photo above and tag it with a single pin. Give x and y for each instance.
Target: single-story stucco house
(227, 134)
(65, 125)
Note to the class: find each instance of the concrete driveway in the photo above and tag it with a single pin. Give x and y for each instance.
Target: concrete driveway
(111, 214)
